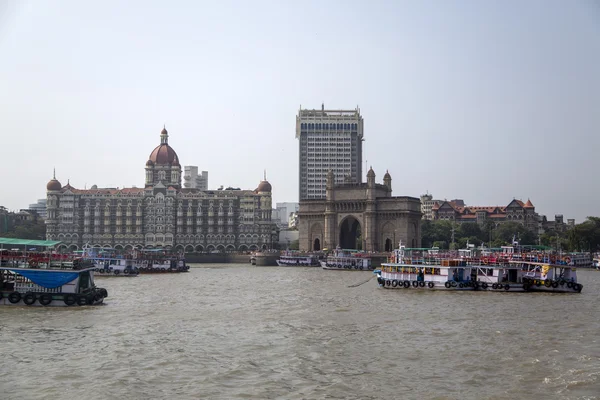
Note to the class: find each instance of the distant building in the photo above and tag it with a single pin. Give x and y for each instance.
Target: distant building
(328, 140)
(284, 210)
(193, 180)
(39, 208)
(359, 216)
(293, 221)
(427, 203)
(515, 211)
(557, 225)
(162, 214)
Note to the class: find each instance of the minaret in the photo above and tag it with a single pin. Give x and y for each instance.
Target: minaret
(369, 237)
(387, 181)
(330, 239)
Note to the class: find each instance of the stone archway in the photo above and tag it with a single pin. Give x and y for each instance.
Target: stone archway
(317, 245)
(388, 245)
(350, 234)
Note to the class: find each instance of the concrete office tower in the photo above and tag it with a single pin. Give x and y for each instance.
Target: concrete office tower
(193, 180)
(330, 140)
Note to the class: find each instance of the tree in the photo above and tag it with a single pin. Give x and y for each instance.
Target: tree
(19, 229)
(585, 236)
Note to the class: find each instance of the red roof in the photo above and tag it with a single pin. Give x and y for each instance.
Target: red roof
(106, 191)
(164, 154)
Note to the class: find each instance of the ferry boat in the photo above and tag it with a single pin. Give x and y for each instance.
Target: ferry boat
(158, 261)
(112, 262)
(504, 277)
(51, 283)
(411, 269)
(294, 259)
(343, 259)
(554, 278)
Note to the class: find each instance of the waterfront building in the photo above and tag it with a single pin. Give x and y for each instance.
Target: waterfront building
(427, 203)
(515, 211)
(193, 180)
(359, 216)
(162, 214)
(328, 140)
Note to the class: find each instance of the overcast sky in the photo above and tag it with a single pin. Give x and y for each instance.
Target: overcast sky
(480, 100)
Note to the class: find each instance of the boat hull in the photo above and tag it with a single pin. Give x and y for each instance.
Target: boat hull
(345, 267)
(57, 301)
(284, 264)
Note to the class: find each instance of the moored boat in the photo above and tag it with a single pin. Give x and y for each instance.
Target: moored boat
(295, 259)
(502, 277)
(544, 277)
(349, 260)
(112, 262)
(412, 271)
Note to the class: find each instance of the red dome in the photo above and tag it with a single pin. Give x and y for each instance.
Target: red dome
(53, 185)
(264, 186)
(163, 154)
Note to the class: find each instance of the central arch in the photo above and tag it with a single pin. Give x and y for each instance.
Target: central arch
(350, 234)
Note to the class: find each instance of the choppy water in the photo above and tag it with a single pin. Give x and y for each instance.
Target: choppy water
(227, 332)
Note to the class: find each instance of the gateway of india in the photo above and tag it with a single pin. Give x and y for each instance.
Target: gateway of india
(162, 214)
(359, 216)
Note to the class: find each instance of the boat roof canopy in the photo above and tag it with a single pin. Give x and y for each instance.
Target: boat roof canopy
(29, 242)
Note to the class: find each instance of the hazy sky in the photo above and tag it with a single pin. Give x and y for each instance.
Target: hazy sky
(481, 100)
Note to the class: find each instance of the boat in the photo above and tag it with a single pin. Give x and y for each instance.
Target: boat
(546, 277)
(109, 264)
(113, 262)
(411, 269)
(344, 259)
(503, 277)
(53, 282)
(158, 261)
(295, 259)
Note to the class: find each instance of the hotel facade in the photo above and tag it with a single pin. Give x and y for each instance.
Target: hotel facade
(162, 214)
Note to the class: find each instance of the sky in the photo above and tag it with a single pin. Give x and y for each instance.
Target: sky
(483, 101)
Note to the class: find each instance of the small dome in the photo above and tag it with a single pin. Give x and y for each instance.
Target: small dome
(264, 186)
(164, 131)
(387, 175)
(53, 184)
(371, 173)
(149, 163)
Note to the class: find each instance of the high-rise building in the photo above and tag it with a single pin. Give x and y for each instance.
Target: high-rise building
(284, 210)
(330, 140)
(193, 180)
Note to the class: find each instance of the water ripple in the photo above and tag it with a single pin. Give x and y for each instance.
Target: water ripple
(241, 332)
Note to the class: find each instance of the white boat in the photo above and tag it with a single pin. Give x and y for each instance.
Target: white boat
(49, 287)
(501, 277)
(112, 262)
(544, 277)
(407, 272)
(293, 259)
(343, 259)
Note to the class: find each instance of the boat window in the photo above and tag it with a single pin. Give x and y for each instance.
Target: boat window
(84, 280)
